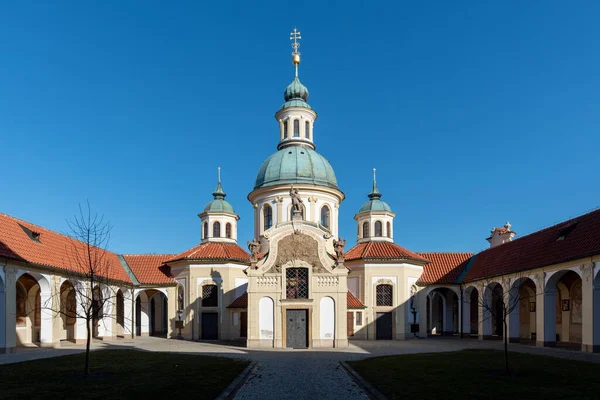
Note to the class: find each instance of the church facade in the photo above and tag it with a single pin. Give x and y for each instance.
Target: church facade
(298, 286)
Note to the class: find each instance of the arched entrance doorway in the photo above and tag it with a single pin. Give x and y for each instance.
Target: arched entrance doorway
(523, 305)
(151, 319)
(493, 309)
(563, 309)
(470, 311)
(28, 310)
(68, 311)
(442, 311)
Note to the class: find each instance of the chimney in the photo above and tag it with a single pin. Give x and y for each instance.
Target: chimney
(501, 235)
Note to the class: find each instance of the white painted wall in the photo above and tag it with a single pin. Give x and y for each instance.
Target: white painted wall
(353, 286)
(241, 285)
(265, 317)
(327, 320)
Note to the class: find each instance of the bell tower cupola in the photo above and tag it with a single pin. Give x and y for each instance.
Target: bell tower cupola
(375, 219)
(218, 219)
(296, 117)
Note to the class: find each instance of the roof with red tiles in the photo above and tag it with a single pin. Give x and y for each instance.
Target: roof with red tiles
(381, 251)
(240, 302)
(23, 241)
(149, 268)
(444, 267)
(576, 238)
(214, 251)
(353, 302)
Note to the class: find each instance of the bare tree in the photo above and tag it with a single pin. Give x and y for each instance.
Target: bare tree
(94, 282)
(499, 298)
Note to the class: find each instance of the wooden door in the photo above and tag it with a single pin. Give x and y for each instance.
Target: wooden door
(243, 324)
(296, 328)
(210, 326)
(350, 323)
(383, 326)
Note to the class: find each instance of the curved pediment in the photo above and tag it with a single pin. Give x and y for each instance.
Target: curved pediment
(295, 246)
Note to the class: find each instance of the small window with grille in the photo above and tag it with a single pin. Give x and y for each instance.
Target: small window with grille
(296, 283)
(210, 296)
(384, 295)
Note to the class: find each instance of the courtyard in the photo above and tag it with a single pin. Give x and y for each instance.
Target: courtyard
(152, 366)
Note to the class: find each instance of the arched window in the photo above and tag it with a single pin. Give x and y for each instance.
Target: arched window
(228, 230)
(384, 296)
(296, 283)
(296, 128)
(389, 229)
(378, 229)
(205, 230)
(366, 230)
(325, 216)
(307, 130)
(267, 216)
(285, 129)
(217, 229)
(210, 296)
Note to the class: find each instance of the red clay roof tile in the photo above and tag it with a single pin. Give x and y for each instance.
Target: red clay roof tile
(240, 302)
(540, 248)
(381, 251)
(214, 251)
(353, 302)
(444, 267)
(149, 268)
(52, 249)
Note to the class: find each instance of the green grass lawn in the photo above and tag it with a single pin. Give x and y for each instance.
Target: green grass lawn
(480, 374)
(120, 374)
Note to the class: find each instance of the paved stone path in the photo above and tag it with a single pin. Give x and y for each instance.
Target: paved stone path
(298, 374)
(302, 375)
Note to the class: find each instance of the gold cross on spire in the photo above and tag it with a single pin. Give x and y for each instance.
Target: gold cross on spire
(295, 36)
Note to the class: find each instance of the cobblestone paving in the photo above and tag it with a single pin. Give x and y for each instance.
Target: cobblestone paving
(300, 376)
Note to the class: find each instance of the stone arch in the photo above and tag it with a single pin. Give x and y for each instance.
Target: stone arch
(120, 311)
(34, 308)
(142, 314)
(470, 311)
(68, 310)
(523, 302)
(157, 310)
(492, 312)
(563, 304)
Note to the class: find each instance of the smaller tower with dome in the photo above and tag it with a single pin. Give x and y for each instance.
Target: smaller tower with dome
(219, 220)
(375, 219)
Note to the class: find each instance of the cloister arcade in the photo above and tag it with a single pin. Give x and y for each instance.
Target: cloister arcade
(38, 309)
(554, 308)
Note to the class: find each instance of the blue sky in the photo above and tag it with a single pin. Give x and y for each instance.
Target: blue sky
(472, 112)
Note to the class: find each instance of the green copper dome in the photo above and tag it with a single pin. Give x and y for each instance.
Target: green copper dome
(296, 164)
(375, 203)
(296, 95)
(219, 204)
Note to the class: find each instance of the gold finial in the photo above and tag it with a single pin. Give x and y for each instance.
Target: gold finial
(295, 36)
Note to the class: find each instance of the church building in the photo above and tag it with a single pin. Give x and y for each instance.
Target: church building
(299, 285)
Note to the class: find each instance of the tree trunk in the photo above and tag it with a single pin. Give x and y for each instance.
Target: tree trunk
(87, 345)
(506, 369)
